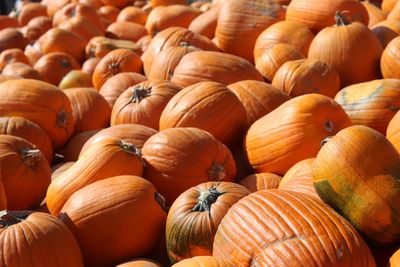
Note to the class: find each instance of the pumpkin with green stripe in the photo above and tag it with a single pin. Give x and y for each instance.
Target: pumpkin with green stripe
(357, 172)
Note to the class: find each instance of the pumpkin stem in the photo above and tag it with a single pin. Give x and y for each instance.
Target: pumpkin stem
(7, 219)
(340, 19)
(114, 68)
(183, 44)
(30, 156)
(217, 172)
(139, 93)
(160, 199)
(325, 140)
(131, 149)
(206, 199)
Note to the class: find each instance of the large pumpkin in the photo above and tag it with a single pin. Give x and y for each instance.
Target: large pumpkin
(127, 207)
(107, 158)
(194, 217)
(209, 106)
(179, 158)
(361, 183)
(41, 103)
(372, 103)
(206, 23)
(274, 145)
(27, 238)
(280, 228)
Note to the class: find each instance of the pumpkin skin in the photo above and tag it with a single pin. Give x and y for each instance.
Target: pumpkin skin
(395, 259)
(30, 11)
(281, 228)
(275, 145)
(89, 108)
(133, 133)
(140, 262)
(317, 15)
(258, 98)
(88, 211)
(116, 61)
(344, 47)
(117, 84)
(30, 99)
(245, 18)
(53, 66)
(389, 60)
(260, 181)
(205, 23)
(107, 158)
(375, 14)
(108, 14)
(201, 66)
(364, 190)
(201, 261)
(173, 172)
(12, 38)
(4, 78)
(287, 32)
(82, 26)
(3, 198)
(307, 76)
(163, 17)
(22, 70)
(89, 65)
(58, 169)
(372, 104)
(126, 30)
(8, 22)
(299, 178)
(30, 131)
(393, 131)
(143, 103)
(12, 55)
(117, 3)
(27, 236)
(74, 146)
(386, 31)
(132, 14)
(388, 5)
(194, 217)
(36, 28)
(100, 46)
(174, 36)
(27, 175)
(209, 106)
(76, 79)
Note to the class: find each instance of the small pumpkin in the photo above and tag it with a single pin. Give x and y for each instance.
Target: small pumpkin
(30, 11)
(132, 14)
(100, 46)
(375, 14)
(12, 55)
(76, 79)
(89, 65)
(82, 26)
(389, 61)
(386, 31)
(22, 70)
(261, 181)
(36, 28)
(12, 38)
(126, 30)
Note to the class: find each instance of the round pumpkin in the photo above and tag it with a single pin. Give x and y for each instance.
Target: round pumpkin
(395, 259)
(107, 158)
(12, 55)
(82, 26)
(261, 181)
(108, 14)
(140, 262)
(74, 146)
(361, 183)
(205, 23)
(100, 46)
(389, 61)
(126, 30)
(131, 201)
(280, 228)
(201, 261)
(386, 31)
(89, 65)
(28, 237)
(393, 131)
(180, 158)
(22, 70)
(8, 22)
(30, 11)
(12, 38)
(375, 14)
(194, 217)
(36, 28)
(133, 14)
(76, 79)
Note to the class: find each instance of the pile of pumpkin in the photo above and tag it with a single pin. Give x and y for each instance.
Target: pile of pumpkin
(211, 133)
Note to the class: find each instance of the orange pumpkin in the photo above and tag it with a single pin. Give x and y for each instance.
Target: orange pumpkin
(3, 199)
(205, 23)
(12, 38)
(133, 14)
(76, 78)
(58, 169)
(393, 131)
(8, 22)
(155, 3)
(82, 26)
(388, 5)
(12, 55)
(260, 181)
(22, 70)
(201, 261)
(36, 28)
(126, 30)
(386, 31)
(30, 11)
(74, 146)
(100, 46)
(117, 3)
(108, 14)
(89, 65)
(395, 259)
(389, 61)
(375, 14)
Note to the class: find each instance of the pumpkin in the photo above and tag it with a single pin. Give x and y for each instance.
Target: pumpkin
(174, 36)
(132, 14)
(58, 169)
(260, 181)
(30, 11)
(209, 106)
(386, 31)
(59, 40)
(82, 26)
(388, 5)
(36, 28)
(163, 17)
(117, 84)
(307, 76)
(33, 53)
(41, 103)
(394, 14)
(55, 5)
(4, 78)
(144, 42)
(155, 3)
(30, 131)
(3, 198)
(12, 38)
(28, 237)
(375, 14)
(173, 170)
(74, 146)
(53, 66)
(205, 23)
(126, 30)
(107, 158)
(131, 201)
(143, 103)
(281, 228)
(201, 261)
(372, 103)
(240, 22)
(344, 47)
(395, 259)
(194, 217)
(8, 22)
(288, 32)
(201, 66)
(363, 189)
(117, 3)
(96, 4)
(22, 70)
(108, 14)
(75, 79)
(89, 65)
(317, 15)
(164, 64)
(100, 46)
(393, 131)
(258, 98)
(89, 108)
(275, 145)
(116, 61)
(389, 61)
(140, 262)
(12, 55)
(133, 133)
(299, 178)
(27, 174)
